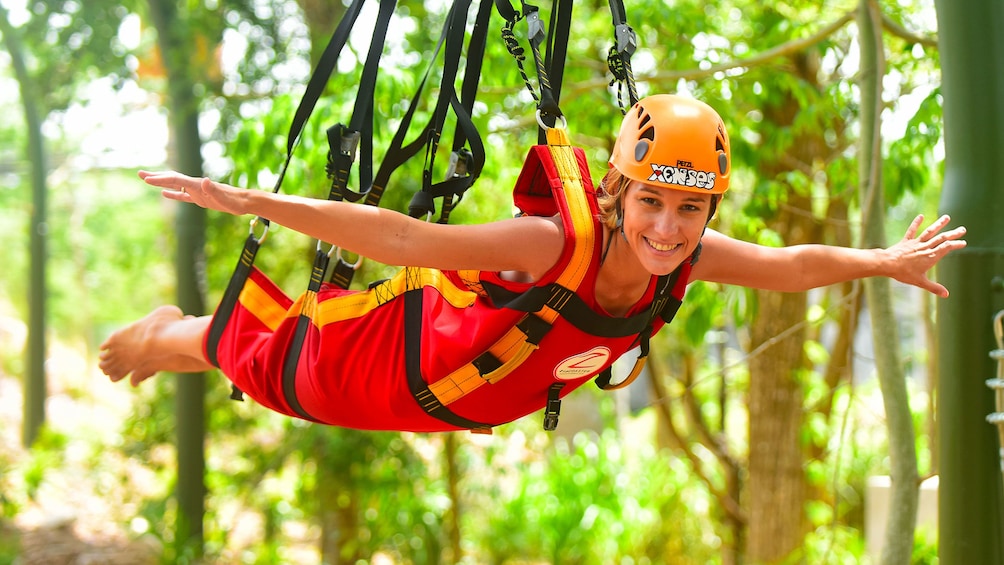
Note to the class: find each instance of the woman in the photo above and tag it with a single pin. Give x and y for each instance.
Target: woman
(359, 368)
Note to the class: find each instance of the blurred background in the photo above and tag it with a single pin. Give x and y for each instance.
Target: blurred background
(752, 437)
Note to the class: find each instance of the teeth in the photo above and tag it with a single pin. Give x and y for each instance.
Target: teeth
(660, 246)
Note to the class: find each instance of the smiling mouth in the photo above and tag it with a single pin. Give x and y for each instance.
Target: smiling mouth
(661, 246)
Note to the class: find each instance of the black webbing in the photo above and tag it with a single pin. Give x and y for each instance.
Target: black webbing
(413, 363)
(547, 103)
(465, 167)
(664, 305)
(315, 87)
(229, 301)
(619, 58)
(341, 140)
(570, 306)
(318, 81)
(557, 51)
(398, 153)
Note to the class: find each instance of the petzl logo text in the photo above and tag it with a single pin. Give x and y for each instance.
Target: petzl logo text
(682, 176)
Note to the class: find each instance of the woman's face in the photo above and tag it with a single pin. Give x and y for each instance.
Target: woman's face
(663, 226)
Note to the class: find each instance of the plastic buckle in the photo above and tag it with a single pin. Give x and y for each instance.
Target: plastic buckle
(553, 409)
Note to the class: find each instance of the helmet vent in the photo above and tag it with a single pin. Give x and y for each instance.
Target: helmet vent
(641, 150)
(723, 162)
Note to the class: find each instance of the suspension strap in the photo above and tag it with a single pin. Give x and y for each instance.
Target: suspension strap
(342, 141)
(468, 165)
(465, 166)
(340, 136)
(547, 102)
(556, 54)
(315, 87)
(619, 57)
(345, 140)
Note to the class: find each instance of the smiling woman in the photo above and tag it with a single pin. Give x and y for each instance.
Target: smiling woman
(453, 343)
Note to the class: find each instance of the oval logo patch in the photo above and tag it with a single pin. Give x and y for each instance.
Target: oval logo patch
(582, 364)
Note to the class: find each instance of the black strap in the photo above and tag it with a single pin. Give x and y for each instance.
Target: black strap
(619, 58)
(570, 306)
(230, 296)
(413, 367)
(315, 87)
(554, 59)
(342, 144)
(318, 81)
(343, 141)
(547, 103)
(303, 324)
(465, 166)
(575, 311)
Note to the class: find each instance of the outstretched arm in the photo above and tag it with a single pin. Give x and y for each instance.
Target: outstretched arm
(529, 244)
(802, 267)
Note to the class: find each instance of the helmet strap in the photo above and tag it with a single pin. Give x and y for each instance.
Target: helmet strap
(714, 207)
(619, 228)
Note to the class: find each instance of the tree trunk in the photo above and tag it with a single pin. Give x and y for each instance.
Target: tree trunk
(322, 16)
(453, 476)
(970, 506)
(35, 378)
(777, 485)
(898, 544)
(173, 39)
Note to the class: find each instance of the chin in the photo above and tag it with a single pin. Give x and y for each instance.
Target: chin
(661, 269)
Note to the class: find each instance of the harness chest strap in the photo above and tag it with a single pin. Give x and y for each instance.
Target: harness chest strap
(519, 342)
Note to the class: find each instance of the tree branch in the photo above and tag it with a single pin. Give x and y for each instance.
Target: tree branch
(727, 502)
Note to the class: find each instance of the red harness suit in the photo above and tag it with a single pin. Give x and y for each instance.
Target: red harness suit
(367, 353)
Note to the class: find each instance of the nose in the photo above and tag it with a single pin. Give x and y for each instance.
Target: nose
(666, 224)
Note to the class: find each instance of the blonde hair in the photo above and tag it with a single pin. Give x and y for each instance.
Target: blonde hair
(610, 196)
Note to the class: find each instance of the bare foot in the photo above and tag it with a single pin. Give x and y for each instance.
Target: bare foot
(140, 345)
(178, 363)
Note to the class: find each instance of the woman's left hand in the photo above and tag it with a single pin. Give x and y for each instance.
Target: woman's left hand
(914, 255)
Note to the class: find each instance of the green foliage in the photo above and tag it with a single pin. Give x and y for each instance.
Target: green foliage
(46, 455)
(10, 544)
(592, 501)
(69, 43)
(910, 167)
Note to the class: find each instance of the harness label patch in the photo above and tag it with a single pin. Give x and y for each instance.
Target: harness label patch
(582, 364)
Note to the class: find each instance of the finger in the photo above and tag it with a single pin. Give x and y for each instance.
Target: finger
(935, 227)
(939, 290)
(914, 226)
(179, 195)
(957, 233)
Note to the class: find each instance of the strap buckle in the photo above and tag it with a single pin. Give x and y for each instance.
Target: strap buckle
(553, 408)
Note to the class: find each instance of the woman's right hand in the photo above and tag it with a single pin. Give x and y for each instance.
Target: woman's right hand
(199, 191)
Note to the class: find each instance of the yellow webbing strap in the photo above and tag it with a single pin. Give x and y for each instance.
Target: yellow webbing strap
(512, 349)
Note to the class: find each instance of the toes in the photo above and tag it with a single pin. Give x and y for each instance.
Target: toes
(141, 374)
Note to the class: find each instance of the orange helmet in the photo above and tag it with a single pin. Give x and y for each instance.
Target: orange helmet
(675, 142)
